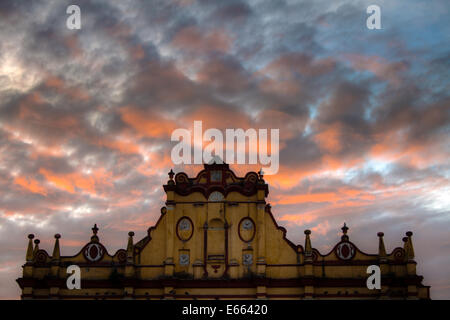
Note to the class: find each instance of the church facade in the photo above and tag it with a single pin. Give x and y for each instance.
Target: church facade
(216, 238)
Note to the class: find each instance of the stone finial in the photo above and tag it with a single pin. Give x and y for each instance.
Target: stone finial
(410, 247)
(56, 252)
(405, 246)
(130, 247)
(94, 237)
(344, 229)
(308, 246)
(36, 246)
(261, 174)
(381, 248)
(130, 241)
(171, 175)
(29, 256)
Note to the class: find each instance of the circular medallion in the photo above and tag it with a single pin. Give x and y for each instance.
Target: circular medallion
(345, 251)
(94, 252)
(41, 257)
(399, 254)
(246, 229)
(122, 256)
(185, 229)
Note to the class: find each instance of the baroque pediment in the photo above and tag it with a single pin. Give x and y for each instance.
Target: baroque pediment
(217, 177)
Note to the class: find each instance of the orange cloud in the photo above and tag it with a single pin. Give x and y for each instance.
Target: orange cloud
(342, 196)
(125, 146)
(299, 219)
(62, 182)
(304, 198)
(288, 177)
(31, 185)
(149, 125)
(394, 147)
(322, 228)
(73, 181)
(329, 139)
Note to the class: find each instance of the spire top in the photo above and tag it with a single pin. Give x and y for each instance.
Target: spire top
(29, 256)
(381, 248)
(410, 247)
(56, 252)
(261, 174)
(130, 247)
(36, 246)
(344, 231)
(94, 237)
(308, 247)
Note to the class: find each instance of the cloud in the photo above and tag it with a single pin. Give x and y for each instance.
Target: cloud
(30, 185)
(196, 40)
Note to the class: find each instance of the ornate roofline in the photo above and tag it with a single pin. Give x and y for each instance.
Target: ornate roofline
(247, 185)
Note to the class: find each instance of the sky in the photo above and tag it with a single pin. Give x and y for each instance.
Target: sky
(86, 118)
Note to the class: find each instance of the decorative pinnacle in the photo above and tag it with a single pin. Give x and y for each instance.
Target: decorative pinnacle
(344, 228)
(130, 247)
(171, 174)
(94, 237)
(308, 246)
(381, 247)
(56, 252)
(29, 255)
(36, 247)
(261, 173)
(410, 251)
